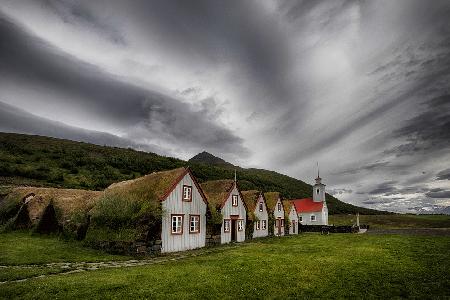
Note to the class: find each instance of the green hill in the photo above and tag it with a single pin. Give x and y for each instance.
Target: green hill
(45, 161)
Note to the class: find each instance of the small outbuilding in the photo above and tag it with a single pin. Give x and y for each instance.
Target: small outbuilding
(257, 212)
(292, 216)
(225, 199)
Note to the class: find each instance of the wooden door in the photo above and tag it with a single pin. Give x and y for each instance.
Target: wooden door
(233, 230)
(279, 226)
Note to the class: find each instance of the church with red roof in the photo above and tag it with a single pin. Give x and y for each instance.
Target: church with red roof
(313, 211)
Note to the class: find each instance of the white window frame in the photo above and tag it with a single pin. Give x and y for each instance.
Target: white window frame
(258, 227)
(177, 224)
(263, 224)
(240, 225)
(282, 222)
(261, 206)
(194, 224)
(300, 219)
(187, 193)
(279, 206)
(226, 225)
(313, 218)
(234, 200)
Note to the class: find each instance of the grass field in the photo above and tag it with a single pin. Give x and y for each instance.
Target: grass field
(308, 265)
(393, 221)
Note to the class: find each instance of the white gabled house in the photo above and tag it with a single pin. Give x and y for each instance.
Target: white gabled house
(183, 206)
(275, 207)
(257, 212)
(293, 217)
(224, 197)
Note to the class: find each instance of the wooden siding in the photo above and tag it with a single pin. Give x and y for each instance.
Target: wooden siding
(293, 218)
(261, 215)
(321, 217)
(175, 205)
(227, 211)
(278, 215)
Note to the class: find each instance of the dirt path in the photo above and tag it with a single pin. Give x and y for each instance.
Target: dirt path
(66, 268)
(413, 231)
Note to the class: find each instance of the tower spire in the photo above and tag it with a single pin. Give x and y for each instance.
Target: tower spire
(318, 170)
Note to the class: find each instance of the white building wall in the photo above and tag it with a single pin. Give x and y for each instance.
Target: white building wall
(261, 215)
(227, 211)
(321, 218)
(293, 220)
(175, 205)
(278, 215)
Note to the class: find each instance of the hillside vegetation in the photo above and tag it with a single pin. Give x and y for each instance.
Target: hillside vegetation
(45, 161)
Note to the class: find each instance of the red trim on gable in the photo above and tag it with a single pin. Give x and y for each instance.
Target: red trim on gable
(240, 195)
(174, 185)
(307, 205)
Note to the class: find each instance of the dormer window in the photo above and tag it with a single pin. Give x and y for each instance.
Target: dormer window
(187, 193)
(261, 208)
(234, 200)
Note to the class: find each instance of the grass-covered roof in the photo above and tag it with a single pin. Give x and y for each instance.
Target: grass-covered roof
(271, 199)
(251, 198)
(151, 187)
(66, 201)
(217, 191)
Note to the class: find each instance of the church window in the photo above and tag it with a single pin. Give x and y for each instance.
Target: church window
(313, 218)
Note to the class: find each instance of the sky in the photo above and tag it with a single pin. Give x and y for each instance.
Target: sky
(361, 87)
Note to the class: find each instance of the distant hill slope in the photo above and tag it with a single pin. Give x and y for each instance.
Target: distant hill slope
(44, 161)
(207, 158)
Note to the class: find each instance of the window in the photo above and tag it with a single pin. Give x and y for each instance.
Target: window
(187, 193)
(194, 224)
(300, 219)
(282, 222)
(240, 225)
(317, 191)
(277, 223)
(257, 225)
(261, 208)
(279, 206)
(263, 224)
(313, 218)
(177, 224)
(226, 225)
(234, 200)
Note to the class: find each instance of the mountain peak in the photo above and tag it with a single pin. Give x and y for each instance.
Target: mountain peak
(209, 159)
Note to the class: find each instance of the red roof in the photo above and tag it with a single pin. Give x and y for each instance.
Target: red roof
(307, 205)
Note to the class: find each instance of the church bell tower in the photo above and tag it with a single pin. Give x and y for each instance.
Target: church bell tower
(318, 189)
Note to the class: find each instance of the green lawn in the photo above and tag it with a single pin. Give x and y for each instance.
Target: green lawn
(304, 266)
(19, 248)
(393, 221)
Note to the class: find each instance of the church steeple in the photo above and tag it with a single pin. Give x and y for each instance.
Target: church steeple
(318, 188)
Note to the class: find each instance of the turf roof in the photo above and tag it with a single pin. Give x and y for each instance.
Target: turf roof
(151, 187)
(66, 201)
(217, 191)
(271, 200)
(251, 198)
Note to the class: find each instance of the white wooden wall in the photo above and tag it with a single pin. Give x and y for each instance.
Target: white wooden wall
(261, 215)
(175, 205)
(278, 214)
(228, 210)
(293, 217)
(321, 217)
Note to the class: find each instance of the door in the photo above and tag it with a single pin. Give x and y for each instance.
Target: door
(233, 230)
(279, 226)
(293, 226)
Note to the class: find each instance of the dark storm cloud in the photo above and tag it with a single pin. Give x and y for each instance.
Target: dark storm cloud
(438, 193)
(444, 175)
(30, 61)
(367, 168)
(429, 131)
(13, 119)
(384, 188)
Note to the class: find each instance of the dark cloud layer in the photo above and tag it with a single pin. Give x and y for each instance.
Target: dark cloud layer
(28, 60)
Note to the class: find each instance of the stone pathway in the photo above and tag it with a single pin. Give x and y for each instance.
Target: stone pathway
(76, 267)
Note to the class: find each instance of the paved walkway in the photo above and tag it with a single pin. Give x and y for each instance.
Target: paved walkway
(76, 267)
